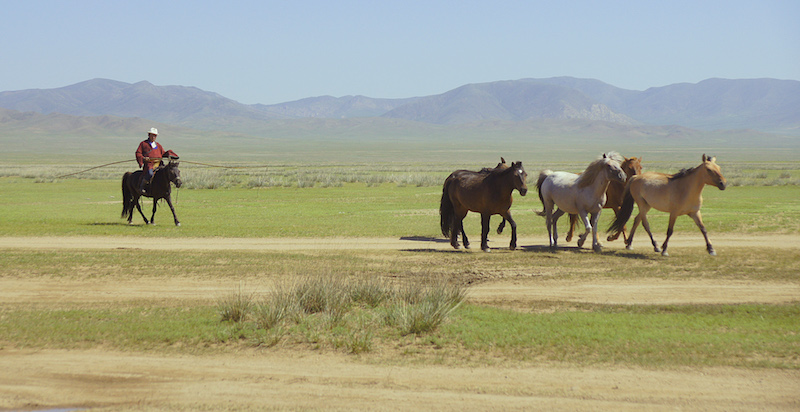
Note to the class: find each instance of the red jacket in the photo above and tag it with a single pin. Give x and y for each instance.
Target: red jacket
(146, 150)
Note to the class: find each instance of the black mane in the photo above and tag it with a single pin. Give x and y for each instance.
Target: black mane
(683, 173)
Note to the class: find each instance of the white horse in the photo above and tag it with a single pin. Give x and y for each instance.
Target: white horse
(583, 194)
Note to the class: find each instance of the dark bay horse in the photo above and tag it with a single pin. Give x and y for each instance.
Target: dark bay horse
(583, 194)
(160, 188)
(487, 192)
(614, 194)
(678, 194)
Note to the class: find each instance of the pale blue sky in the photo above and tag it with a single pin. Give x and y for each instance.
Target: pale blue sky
(276, 51)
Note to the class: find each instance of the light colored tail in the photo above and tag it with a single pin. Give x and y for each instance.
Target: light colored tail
(542, 176)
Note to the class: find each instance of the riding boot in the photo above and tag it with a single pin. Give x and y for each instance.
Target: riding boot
(142, 185)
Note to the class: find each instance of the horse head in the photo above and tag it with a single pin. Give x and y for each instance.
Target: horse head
(714, 174)
(632, 166)
(173, 173)
(613, 168)
(520, 178)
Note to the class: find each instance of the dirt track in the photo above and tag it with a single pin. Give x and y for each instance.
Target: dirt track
(283, 379)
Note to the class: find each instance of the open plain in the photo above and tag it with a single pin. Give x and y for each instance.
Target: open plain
(296, 377)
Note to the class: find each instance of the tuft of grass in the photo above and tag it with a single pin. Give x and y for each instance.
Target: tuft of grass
(347, 312)
(421, 308)
(236, 307)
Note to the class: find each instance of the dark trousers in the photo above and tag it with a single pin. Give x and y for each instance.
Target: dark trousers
(147, 176)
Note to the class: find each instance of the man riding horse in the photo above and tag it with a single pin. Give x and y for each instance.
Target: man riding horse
(148, 155)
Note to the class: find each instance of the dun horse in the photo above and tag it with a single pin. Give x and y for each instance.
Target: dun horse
(614, 194)
(159, 189)
(583, 194)
(487, 192)
(678, 194)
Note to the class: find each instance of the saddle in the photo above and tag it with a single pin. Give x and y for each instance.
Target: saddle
(144, 184)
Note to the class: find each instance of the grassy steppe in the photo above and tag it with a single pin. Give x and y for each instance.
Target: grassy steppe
(93, 207)
(745, 335)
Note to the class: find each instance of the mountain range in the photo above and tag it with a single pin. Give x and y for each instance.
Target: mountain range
(767, 105)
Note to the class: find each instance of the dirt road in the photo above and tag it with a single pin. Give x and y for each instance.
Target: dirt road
(288, 379)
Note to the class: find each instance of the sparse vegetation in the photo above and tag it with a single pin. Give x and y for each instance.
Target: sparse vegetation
(343, 312)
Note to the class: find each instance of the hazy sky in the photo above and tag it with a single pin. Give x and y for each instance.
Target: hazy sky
(276, 51)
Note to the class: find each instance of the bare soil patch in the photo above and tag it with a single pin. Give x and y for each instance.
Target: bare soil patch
(290, 379)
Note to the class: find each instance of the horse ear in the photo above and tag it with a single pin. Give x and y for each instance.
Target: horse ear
(705, 158)
(604, 156)
(502, 160)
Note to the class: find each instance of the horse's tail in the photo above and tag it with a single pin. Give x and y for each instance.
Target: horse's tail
(127, 197)
(446, 210)
(542, 176)
(625, 211)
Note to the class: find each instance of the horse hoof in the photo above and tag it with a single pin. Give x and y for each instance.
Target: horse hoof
(712, 252)
(664, 253)
(629, 247)
(657, 249)
(568, 238)
(177, 223)
(598, 248)
(487, 250)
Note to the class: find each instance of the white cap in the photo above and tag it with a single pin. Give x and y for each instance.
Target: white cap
(153, 130)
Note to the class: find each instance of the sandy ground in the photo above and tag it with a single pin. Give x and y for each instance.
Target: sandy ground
(282, 379)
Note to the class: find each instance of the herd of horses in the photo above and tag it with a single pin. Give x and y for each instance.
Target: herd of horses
(611, 181)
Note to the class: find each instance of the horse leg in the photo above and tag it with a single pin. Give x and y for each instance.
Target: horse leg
(672, 218)
(596, 245)
(175, 217)
(485, 217)
(556, 215)
(139, 208)
(153, 217)
(698, 220)
(646, 225)
(458, 227)
(507, 217)
(548, 219)
(501, 226)
(572, 220)
(588, 225)
(464, 236)
(629, 240)
(614, 236)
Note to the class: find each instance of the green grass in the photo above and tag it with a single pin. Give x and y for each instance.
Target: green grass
(380, 203)
(652, 336)
(93, 207)
(649, 336)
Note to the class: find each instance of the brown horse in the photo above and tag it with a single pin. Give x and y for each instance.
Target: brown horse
(678, 194)
(614, 194)
(487, 192)
(159, 189)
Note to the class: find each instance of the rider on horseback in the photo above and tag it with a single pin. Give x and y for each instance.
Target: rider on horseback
(149, 154)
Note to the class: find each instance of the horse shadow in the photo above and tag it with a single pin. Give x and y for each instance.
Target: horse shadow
(619, 253)
(424, 239)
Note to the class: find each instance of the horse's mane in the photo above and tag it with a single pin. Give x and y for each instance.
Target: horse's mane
(595, 168)
(683, 173)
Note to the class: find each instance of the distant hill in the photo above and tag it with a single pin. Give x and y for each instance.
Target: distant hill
(334, 107)
(507, 100)
(758, 104)
(179, 105)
